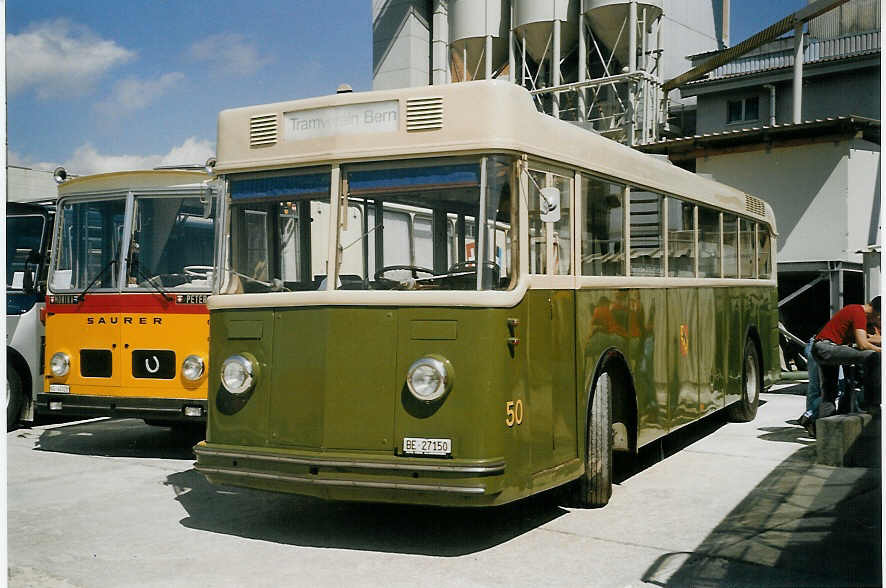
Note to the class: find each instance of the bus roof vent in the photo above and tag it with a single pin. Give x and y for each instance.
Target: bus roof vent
(424, 114)
(754, 205)
(263, 130)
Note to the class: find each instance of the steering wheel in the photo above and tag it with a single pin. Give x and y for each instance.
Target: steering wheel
(413, 270)
(198, 271)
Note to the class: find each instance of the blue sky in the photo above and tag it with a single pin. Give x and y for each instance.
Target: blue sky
(106, 85)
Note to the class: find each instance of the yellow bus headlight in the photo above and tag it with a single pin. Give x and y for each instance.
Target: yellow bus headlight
(59, 364)
(429, 378)
(192, 368)
(237, 374)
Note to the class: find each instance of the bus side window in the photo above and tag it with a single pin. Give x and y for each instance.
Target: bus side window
(746, 249)
(646, 226)
(708, 243)
(681, 238)
(730, 246)
(602, 236)
(764, 255)
(537, 229)
(556, 236)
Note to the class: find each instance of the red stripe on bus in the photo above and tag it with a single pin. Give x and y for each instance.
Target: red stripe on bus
(132, 303)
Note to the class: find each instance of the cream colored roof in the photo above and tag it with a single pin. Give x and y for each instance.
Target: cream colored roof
(480, 116)
(133, 180)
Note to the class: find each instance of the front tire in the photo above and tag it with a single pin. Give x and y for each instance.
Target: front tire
(14, 396)
(595, 485)
(745, 409)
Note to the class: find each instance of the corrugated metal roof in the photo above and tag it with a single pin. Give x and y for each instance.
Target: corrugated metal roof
(815, 51)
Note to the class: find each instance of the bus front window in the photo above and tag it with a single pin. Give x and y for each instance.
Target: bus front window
(413, 226)
(89, 243)
(171, 244)
(24, 235)
(407, 225)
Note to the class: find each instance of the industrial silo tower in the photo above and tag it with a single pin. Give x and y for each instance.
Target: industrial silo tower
(597, 63)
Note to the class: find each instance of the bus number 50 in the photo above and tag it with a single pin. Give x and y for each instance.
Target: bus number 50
(514, 412)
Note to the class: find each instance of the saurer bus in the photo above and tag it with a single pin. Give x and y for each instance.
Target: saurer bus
(441, 296)
(126, 321)
(28, 233)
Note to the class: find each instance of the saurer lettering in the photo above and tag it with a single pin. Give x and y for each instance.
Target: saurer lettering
(127, 320)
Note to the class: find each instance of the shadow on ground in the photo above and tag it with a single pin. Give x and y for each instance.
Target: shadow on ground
(119, 438)
(310, 522)
(803, 525)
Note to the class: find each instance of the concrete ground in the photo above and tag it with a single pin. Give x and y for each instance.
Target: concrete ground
(118, 503)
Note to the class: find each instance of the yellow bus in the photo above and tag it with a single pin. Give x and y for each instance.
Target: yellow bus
(441, 296)
(126, 321)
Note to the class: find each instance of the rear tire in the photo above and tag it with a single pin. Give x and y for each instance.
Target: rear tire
(595, 485)
(14, 397)
(745, 409)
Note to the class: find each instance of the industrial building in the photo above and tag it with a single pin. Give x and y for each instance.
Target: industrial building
(630, 70)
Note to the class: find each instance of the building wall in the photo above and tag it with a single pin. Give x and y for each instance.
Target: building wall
(809, 190)
(855, 92)
(401, 44)
(29, 185)
(864, 195)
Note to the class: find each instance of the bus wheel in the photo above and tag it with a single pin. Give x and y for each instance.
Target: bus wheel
(745, 409)
(595, 486)
(13, 396)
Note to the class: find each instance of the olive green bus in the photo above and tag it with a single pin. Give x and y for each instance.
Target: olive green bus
(441, 296)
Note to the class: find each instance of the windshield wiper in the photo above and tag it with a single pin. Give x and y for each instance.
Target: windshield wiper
(276, 285)
(162, 292)
(97, 278)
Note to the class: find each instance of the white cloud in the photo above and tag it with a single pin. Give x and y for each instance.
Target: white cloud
(88, 160)
(58, 58)
(228, 53)
(133, 94)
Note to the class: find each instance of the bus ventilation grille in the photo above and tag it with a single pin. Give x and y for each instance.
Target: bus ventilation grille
(754, 205)
(263, 130)
(424, 114)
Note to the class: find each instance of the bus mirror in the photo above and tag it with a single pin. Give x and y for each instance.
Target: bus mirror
(206, 201)
(550, 205)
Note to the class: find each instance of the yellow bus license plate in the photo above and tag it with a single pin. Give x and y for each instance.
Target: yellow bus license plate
(422, 446)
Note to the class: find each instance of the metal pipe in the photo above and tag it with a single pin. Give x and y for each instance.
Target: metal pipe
(512, 59)
(555, 68)
(440, 43)
(771, 88)
(632, 37)
(487, 73)
(798, 73)
(582, 61)
(724, 24)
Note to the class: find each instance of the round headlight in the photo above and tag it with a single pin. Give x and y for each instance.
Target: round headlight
(192, 368)
(429, 378)
(59, 364)
(237, 374)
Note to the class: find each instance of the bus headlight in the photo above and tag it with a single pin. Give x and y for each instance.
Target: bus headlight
(59, 364)
(192, 368)
(429, 378)
(237, 374)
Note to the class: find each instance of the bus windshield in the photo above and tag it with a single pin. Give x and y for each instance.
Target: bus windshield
(408, 225)
(24, 236)
(171, 244)
(89, 244)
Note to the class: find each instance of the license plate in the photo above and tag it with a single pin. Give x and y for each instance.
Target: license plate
(59, 389)
(422, 446)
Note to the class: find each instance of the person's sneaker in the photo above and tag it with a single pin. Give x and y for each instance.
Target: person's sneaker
(803, 420)
(826, 409)
(810, 428)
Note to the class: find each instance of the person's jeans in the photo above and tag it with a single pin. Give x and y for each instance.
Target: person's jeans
(829, 357)
(813, 389)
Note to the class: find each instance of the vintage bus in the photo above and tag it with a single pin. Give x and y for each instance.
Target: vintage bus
(28, 233)
(441, 296)
(126, 321)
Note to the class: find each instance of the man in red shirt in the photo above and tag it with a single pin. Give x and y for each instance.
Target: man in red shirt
(831, 349)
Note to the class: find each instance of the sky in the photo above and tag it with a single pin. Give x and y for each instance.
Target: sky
(109, 85)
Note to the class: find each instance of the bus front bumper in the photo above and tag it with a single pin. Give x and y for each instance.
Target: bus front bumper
(166, 410)
(356, 477)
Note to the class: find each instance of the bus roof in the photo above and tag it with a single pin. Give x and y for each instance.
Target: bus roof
(135, 180)
(450, 119)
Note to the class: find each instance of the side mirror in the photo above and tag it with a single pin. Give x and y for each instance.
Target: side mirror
(207, 195)
(550, 205)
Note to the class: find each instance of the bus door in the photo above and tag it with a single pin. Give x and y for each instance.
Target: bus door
(551, 332)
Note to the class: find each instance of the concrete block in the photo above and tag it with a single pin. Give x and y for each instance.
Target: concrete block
(837, 436)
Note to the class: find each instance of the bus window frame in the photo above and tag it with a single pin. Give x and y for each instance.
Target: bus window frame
(571, 175)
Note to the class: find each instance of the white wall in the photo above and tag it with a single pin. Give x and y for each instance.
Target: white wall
(808, 187)
(29, 185)
(401, 44)
(864, 194)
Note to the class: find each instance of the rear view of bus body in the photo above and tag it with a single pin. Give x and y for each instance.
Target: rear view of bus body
(126, 321)
(441, 296)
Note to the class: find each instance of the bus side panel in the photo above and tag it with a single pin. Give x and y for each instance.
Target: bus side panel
(633, 322)
(240, 331)
(728, 332)
(709, 372)
(683, 355)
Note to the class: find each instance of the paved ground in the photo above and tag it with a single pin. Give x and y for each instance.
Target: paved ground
(117, 503)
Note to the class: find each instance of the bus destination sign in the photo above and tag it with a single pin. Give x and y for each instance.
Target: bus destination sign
(349, 119)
